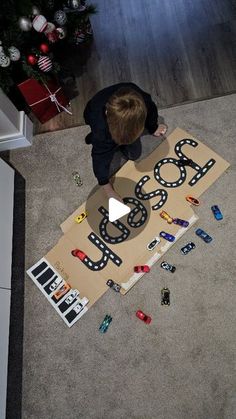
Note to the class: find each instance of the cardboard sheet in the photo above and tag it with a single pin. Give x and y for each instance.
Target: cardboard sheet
(159, 182)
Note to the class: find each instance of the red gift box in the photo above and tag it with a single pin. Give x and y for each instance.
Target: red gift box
(45, 100)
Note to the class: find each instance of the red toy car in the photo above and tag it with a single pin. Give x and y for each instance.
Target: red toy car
(146, 319)
(143, 268)
(78, 254)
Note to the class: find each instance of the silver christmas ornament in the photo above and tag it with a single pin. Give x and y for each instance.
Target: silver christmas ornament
(24, 23)
(35, 11)
(60, 17)
(4, 60)
(14, 53)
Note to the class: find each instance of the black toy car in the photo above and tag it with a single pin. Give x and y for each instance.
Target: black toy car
(116, 287)
(187, 248)
(168, 267)
(165, 296)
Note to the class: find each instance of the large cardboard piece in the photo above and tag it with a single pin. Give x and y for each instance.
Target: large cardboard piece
(159, 182)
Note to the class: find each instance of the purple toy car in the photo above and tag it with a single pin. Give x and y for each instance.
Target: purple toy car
(179, 222)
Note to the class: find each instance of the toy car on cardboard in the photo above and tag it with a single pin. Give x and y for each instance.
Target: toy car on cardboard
(167, 236)
(81, 217)
(153, 243)
(166, 217)
(116, 287)
(142, 268)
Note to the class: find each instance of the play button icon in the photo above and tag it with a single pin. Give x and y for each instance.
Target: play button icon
(117, 209)
(104, 212)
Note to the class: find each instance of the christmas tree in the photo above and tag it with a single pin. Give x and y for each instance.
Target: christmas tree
(30, 32)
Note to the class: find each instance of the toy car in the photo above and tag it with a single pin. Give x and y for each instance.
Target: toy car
(81, 217)
(146, 319)
(165, 296)
(192, 200)
(79, 306)
(71, 297)
(204, 236)
(77, 178)
(62, 291)
(167, 236)
(141, 268)
(168, 267)
(179, 222)
(166, 217)
(78, 254)
(217, 212)
(105, 324)
(187, 248)
(116, 287)
(55, 284)
(153, 243)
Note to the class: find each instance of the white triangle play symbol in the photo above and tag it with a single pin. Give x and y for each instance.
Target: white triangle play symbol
(117, 209)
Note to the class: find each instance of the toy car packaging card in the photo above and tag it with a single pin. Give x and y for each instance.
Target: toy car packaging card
(96, 249)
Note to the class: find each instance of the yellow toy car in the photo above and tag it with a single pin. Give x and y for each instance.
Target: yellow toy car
(166, 217)
(81, 217)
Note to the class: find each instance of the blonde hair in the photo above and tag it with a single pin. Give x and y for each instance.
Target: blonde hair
(126, 115)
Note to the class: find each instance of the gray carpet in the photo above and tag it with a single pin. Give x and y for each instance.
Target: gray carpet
(182, 365)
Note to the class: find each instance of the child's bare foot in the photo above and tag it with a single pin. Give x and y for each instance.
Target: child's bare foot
(161, 130)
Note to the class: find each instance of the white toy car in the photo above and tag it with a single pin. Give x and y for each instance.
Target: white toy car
(78, 307)
(153, 243)
(55, 284)
(71, 297)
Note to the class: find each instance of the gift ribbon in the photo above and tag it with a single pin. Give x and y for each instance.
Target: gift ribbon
(53, 98)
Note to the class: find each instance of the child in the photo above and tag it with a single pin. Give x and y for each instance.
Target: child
(118, 116)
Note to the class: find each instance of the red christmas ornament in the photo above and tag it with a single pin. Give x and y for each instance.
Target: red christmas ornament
(32, 59)
(44, 48)
(53, 36)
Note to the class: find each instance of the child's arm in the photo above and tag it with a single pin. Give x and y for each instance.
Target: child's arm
(111, 193)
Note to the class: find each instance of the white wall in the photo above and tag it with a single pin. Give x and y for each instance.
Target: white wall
(6, 230)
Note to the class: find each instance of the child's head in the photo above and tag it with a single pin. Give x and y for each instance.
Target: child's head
(126, 115)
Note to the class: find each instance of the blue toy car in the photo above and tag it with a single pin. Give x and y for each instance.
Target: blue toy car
(217, 212)
(179, 222)
(187, 248)
(167, 236)
(105, 324)
(204, 236)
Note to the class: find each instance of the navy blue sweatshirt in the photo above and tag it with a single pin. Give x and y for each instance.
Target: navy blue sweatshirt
(103, 144)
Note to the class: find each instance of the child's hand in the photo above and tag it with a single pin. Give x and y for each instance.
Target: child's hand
(161, 130)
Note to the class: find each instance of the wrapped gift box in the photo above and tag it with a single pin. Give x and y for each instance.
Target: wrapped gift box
(45, 100)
